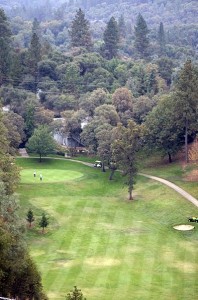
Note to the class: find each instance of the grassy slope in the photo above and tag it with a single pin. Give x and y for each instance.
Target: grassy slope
(177, 173)
(109, 247)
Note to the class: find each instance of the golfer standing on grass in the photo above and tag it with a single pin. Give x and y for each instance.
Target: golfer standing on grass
(34, 173)
(41, 177)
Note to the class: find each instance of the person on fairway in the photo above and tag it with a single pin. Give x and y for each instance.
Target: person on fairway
(34, 173)
(41, 177)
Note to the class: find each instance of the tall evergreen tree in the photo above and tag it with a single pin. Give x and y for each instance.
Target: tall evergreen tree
(16, 69)
(30, 217)
(122, 27)
(34, 56)
(44, 222)
(141, 37)
(80, 31)
(111, 39)
(161, 39)
(5, 35)
(34, 52)
(36, 27)
(185, 101)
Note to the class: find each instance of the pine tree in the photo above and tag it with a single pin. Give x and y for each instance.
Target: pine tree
(16, 69)
(161, 39)
(111, 39)
(43, 222)
(34, 55)
(122, 27)
(36, 27)
(34, 52)
(5, 35)
(80, 31)
(141, 37)
(76, 294)
(30, 217)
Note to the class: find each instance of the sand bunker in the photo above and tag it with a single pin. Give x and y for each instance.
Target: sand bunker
(183, 227)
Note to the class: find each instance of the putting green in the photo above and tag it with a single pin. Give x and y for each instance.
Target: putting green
(55, 175)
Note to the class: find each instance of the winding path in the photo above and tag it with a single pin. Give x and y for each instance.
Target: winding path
(174, 187)
(164, 181)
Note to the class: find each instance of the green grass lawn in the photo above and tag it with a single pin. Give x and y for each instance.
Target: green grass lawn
(176, 173)
(48, 175)
(110, 247)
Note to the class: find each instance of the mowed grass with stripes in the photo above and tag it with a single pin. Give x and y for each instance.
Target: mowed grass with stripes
(108, 246)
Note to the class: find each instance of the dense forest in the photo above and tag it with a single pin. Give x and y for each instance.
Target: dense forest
(126, 69)
(178, 17)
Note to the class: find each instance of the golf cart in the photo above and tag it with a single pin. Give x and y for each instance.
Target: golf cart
(98, 164)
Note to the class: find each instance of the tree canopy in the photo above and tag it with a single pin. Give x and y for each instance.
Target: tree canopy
(186, 104)
(41, 142)
(127, 142)
(5, 47)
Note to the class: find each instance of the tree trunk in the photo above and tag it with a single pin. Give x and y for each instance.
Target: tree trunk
(103, 167)
(130, 195)
(111, 174)
(169, 157)
(186, 141)
(40, 158)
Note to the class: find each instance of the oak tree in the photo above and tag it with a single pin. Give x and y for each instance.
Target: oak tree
(41, 142)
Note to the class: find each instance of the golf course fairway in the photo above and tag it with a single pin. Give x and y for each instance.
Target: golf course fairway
(97, 239)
